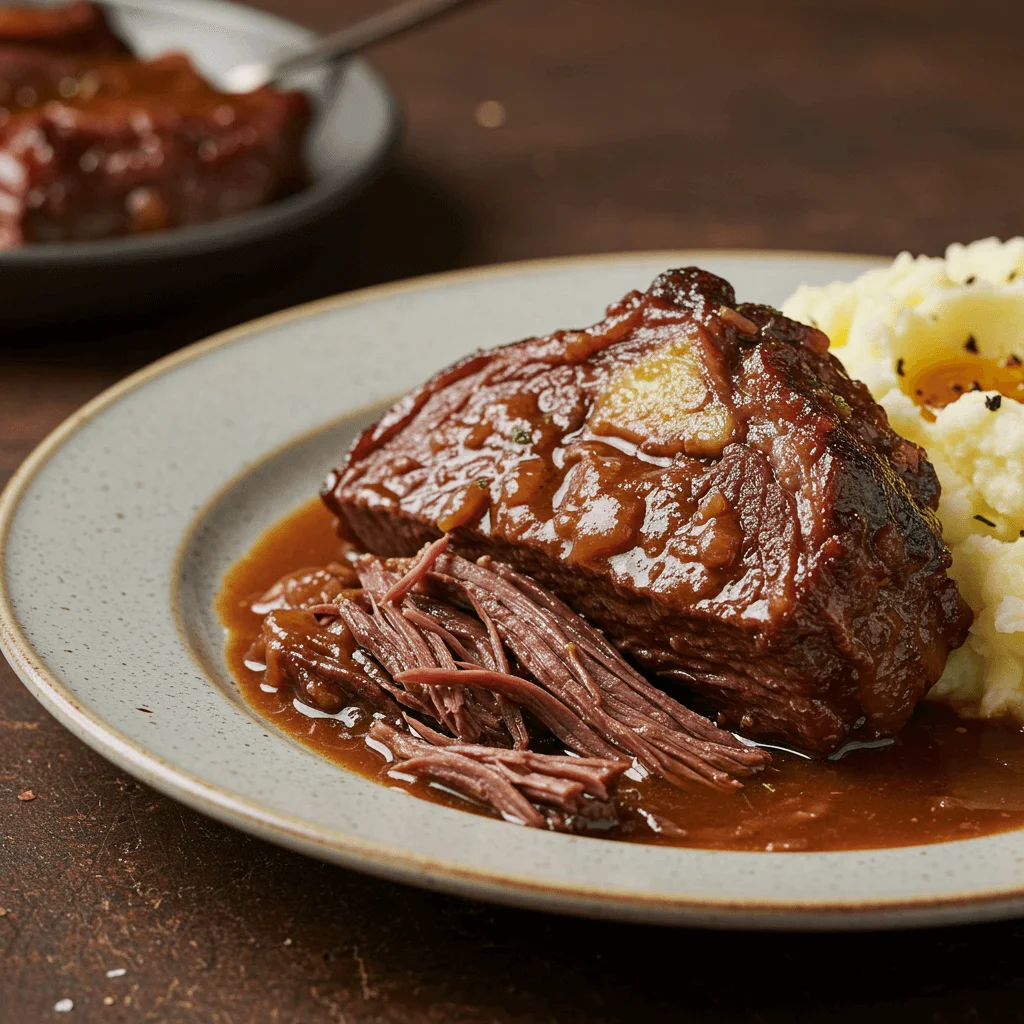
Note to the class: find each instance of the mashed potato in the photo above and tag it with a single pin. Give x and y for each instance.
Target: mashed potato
(953, 328)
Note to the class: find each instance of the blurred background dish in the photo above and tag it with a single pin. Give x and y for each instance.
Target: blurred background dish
(145, 498)
(355, 125)
(351, 39)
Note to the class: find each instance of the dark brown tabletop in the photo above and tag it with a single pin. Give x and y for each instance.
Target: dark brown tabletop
(857, 125)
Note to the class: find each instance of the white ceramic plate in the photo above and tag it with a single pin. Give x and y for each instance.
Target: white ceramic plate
(115, 533)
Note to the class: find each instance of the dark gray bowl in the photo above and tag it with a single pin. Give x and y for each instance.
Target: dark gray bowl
(355, 127)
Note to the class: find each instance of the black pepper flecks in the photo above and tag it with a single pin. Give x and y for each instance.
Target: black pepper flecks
(971, 344)
(992, 402)
(970, 280)
(958, 388)
(975, 386)
(899, 367)
(1013, 360)
(987, 522)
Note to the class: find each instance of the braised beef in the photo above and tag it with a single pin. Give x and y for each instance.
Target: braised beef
(78, 27)
(474, 649)
(144, 146)
(95, 143)
(46, 51)
(701, 481)
(542, 790)
(572, 681)
(586, 682)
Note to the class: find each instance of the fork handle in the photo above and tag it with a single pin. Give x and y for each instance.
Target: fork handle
(370, 30)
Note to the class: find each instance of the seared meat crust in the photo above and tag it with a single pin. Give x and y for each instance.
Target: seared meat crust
(705, 484)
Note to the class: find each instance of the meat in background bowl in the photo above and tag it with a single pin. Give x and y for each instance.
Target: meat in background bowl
(355, 125)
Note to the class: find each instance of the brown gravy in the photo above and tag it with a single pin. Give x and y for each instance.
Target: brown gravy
(944, 778)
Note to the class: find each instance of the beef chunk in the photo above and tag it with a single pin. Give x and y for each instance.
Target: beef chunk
(479, 651)
(45, 52)
(30, 77)
(129, 146)
(60, 28)
(704, 483)
(565, 794)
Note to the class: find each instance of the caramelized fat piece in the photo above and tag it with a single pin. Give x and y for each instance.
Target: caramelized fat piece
(666, 404)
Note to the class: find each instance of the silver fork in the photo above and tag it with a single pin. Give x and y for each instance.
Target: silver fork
(246, 77)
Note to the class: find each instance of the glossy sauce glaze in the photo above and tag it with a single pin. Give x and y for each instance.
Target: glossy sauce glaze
(943, 779)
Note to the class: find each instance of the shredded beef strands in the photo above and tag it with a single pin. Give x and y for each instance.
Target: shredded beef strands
(558, 649)
(595, 774)
(468, 715)
(396, 642)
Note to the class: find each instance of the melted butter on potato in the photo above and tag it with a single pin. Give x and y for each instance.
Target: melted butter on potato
(969, 337)
(940, 344)
(665, 404)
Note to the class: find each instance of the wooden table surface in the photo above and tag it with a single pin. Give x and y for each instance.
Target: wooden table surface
(860, 125)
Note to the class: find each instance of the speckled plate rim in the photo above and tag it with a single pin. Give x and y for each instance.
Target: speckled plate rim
(973, 903)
